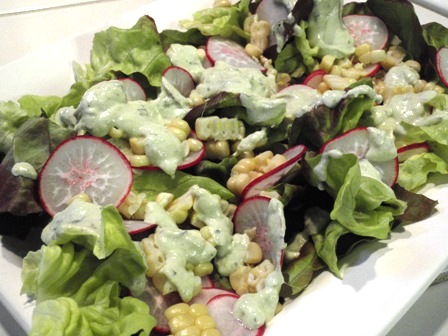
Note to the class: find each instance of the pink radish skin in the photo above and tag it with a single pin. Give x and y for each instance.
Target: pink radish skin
(84, 164)
(180, 78)
(208, 293)
(230, 52)
(270, 178)
(134, 227)
(295, 87)
(367, 29)
(221, 309)
(253, 213)
(191, 160)
(371, 69)
(356, 141)
(315, 78)
(207, 282)
(406, 152)
(442, 64)
(134, 90)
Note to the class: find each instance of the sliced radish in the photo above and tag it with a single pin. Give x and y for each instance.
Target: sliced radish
(295, 87)
(221, 309)
(253, 213)
(371, 69)
(442, 64)
(84, 164)
(273, 12)
(357, 141)
(230, 52)
(407, 151)
(208, 293)
(135, 227)
(207, 282)
(133, 89)
(191, 160)
(270, 178)
(180, 78)
(157, 304)
(367, 29)
(315, 78)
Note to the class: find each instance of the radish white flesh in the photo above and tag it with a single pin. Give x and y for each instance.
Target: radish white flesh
(357, 141)
(406, 152)
(133, 90)
(270, 178)
(442, 64)
(157, 304)
(84, 164)
(367, 29)
(315, 78)
(221, 309)
(293, 88)
(230, 52)
(253, 212)
(208, 293)
(273, 12)
(181, 79)
(371, 70)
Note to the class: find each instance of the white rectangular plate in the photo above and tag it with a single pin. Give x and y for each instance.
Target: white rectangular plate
(381, 280)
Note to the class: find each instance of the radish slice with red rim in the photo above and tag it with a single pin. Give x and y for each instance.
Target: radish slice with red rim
(357, 141)
(315, 78)
(406, 152)
(293, 88)
(133, 89)
(135, 227)
(273, 12)
(269, 179)
(84, 164)
(180, 78)
(158, 304)
(221, 309)
(191, 160)
(442, 64)
(254, 213)
(208, 293)
(230, 52)
(207, 282)
(367, 29)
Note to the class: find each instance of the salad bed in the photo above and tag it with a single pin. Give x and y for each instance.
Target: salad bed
(291, 188)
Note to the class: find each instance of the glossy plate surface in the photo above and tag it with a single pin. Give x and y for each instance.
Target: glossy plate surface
(381, 280)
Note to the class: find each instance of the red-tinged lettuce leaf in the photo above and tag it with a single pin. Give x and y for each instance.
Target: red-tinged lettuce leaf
(321, 124)
(33, 143)
(419, 207)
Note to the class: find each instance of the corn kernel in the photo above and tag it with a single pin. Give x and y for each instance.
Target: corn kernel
(198, 309)
(192, 330)
(211, 332)
(362, 49)
(180, 322)
(327, 62)
(204, 322)
(177, 309)
(203, 269)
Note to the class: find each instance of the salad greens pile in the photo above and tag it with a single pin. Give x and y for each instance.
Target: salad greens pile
(80, 277)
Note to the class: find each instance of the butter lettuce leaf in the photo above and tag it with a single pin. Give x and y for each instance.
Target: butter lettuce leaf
(363, 206)
(414, 171)
(78, 292)
(138, 49)
(223, 21)
(153, 182)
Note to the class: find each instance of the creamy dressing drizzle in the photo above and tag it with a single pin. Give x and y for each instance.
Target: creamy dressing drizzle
(327, 31)
(105, 105)
(24, 169)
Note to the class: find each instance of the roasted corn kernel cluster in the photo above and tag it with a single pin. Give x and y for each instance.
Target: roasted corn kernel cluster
(190, 320)
(248, 169)
(250, 279)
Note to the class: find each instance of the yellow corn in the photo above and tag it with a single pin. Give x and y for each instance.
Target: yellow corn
(185, 320)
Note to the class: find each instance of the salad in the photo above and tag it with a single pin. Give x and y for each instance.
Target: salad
(208, 174)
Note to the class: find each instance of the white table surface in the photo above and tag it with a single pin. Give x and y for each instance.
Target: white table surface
(22, 32)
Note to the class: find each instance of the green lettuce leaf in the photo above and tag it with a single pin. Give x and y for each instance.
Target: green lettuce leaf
(138, 49)
(153, 182)
(414, 171)
(223, 21)
(77, 278)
